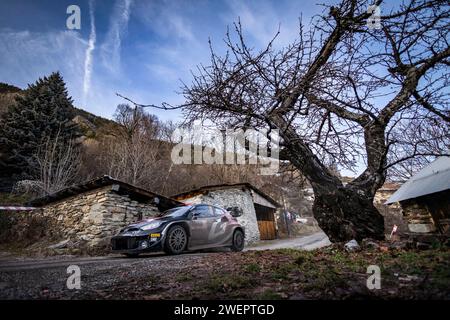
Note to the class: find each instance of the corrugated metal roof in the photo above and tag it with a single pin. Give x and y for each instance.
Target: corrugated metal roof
(433, 178)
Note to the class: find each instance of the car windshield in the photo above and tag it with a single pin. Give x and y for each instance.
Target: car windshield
(175, 212)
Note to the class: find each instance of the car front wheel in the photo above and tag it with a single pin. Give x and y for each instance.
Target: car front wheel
(176, 240)
(238, 241)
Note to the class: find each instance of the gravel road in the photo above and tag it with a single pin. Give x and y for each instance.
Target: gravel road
(47, 278)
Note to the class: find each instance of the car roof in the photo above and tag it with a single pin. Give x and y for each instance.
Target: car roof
(209, 205)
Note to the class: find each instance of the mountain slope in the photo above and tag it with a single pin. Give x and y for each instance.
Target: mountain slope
(92, 126)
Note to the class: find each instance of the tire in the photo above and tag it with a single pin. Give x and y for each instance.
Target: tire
(176, 240)
(238, 241)
(132, 255)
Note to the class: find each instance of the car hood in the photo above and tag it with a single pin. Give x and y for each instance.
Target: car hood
(142, 223)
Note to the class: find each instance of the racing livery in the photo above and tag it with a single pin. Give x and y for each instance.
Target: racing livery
(191, 227)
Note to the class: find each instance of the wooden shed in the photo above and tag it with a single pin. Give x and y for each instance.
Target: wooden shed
(425, 198)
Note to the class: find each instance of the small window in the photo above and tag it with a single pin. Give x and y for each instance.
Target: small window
(203, 211)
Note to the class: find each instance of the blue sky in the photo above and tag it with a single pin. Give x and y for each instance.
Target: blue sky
(141, 49)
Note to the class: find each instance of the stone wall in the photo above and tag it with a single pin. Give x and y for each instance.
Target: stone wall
(418, 217)
(88, 219)
(233, 198)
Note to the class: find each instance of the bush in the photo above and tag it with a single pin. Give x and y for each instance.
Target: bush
(5, 225)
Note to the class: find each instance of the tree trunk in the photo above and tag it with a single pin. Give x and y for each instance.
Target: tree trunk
(344, 213)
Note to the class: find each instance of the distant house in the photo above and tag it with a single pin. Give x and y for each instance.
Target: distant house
(425, 198)
(256, 209)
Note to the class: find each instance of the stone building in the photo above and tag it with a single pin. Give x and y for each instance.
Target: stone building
(94, 211)
(425, 198)
(254, 209)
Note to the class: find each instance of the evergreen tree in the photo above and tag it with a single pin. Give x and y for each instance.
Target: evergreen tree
(44, 111)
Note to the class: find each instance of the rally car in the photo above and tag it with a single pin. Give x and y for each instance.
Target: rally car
(191, 227)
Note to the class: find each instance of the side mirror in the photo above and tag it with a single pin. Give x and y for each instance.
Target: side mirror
(195, 215)
(235, 211)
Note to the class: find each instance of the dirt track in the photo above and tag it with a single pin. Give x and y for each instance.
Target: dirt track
(24, 278)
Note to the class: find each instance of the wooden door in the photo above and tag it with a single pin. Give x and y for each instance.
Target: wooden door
(267, 230)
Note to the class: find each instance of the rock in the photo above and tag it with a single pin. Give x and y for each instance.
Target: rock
(421, 227)
(398, 245)
(408, 278)
(352, 246)
(423, 246)
(370, 244)
(59, 245)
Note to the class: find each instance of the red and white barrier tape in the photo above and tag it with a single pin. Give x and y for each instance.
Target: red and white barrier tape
(16, 208)
(394, 230)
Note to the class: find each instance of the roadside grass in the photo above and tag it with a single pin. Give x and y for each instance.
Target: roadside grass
(228, 282)
(185, 277)
(153, 280)
(327, 273)
(252, 268)
(269, 294)
(332, 273)
(10, 198)
(282, 272)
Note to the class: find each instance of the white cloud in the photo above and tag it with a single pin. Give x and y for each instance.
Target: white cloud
(111, 48)
(166, 19)
(260, 20)
(26, 56)
(88, 62)
(179, 27)
(163, 72)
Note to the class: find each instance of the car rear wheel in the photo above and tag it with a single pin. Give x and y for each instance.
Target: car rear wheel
(238, 241)
(176, 240)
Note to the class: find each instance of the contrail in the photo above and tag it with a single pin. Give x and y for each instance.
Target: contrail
(90, 48)
(118, 25)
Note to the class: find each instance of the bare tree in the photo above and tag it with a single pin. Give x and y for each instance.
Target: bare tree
(58, 164)
(135, 154)
(411, 139)
(343, 91)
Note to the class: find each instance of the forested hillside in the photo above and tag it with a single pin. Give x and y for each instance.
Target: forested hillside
(37, 159)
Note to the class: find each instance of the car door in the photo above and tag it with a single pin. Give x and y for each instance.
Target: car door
(220, 230)
(200, 225)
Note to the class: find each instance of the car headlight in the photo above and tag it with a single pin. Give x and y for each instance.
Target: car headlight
(144, 244)
(151, 225)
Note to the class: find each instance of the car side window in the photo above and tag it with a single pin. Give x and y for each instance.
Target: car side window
(203, 211)
(218, 212)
